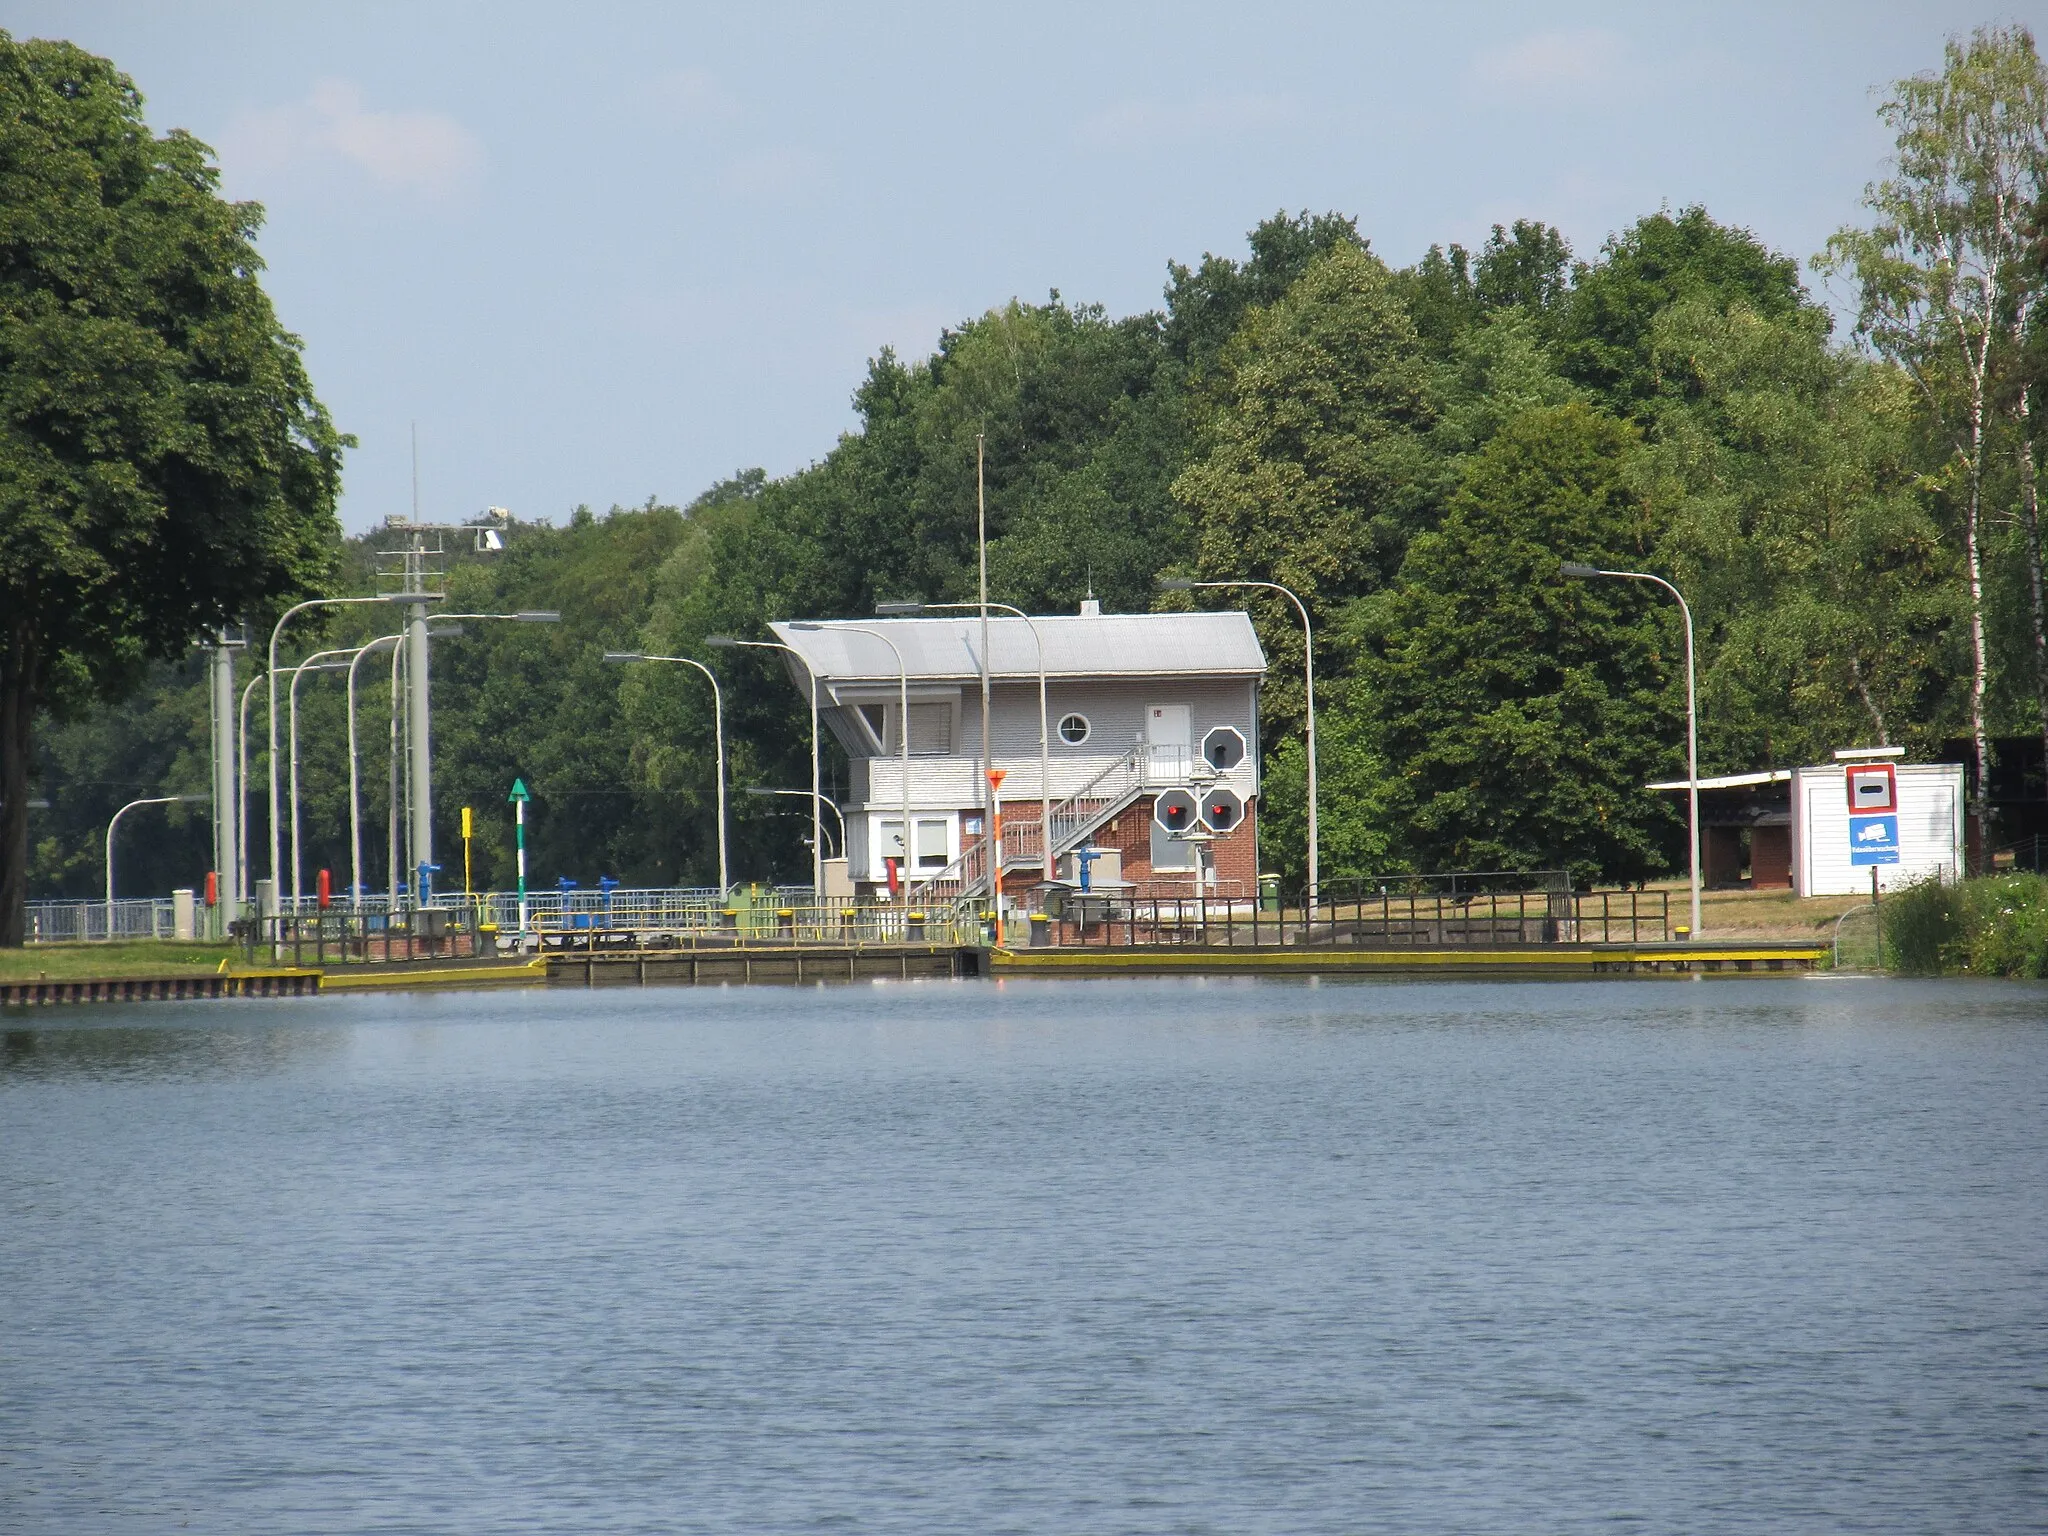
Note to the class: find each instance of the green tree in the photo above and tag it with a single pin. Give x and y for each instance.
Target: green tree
(164, 465)
(1319, 465)
(1786, 479)
(1946, 292)
(1520, 716)
(1603, 329)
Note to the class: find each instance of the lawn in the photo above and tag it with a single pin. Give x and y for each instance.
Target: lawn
(139, 957)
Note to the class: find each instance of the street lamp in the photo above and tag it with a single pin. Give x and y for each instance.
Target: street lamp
(271, 673)
(1044, 735)
(902, 732)
(114, 822)
(316, 662)
(804, 794)
(718, 726)
(727, 642)
(1308, 672)
(355, 804)
(1580, 572)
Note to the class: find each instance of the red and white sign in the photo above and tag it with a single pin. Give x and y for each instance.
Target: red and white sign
(1873, 789)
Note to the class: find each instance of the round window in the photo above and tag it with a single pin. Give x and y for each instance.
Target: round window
(1074, 730)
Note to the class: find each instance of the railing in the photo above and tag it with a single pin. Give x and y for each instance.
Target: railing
(2029, 855)
(1363, 919)
(341, 936)
(73, 922)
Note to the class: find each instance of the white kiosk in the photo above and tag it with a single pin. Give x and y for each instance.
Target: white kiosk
(1929, 832)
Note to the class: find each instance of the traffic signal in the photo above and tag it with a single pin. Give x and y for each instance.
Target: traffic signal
(1223, 748)
(1176, 810)
(1222, 809)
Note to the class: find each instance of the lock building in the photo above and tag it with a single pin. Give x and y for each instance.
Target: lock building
(1136, 706)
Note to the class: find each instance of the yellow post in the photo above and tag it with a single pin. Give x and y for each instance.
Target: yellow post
(465, 855)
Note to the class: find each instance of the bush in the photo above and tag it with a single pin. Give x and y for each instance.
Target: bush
(1995, 927)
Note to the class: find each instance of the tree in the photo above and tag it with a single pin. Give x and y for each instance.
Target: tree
(164, 466)
(1319, 466)
(1945, 291)
(1520, 716)
(1785, 477)
(1603, 329)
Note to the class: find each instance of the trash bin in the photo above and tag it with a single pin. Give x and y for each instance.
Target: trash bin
(1269, 893)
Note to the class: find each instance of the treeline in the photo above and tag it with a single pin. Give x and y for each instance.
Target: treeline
(1853, 514)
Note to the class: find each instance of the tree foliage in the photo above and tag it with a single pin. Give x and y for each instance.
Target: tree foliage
(164, 465)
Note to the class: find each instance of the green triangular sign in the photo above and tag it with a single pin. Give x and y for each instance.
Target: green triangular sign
(518, 792)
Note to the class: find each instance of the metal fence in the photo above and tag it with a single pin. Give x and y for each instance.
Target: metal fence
(74, 922)
(1362, 918)
(342, 936)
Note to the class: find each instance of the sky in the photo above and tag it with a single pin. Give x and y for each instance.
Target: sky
(599, 253)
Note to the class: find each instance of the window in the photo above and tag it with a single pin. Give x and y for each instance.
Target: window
(1074, 730)
(934, 843)
(931, 730)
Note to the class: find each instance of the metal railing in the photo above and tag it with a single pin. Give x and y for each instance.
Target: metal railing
(74, 922)
(1382, 918)
(342, 936)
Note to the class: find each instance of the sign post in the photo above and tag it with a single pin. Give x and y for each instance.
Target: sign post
(518, 797)
(995, 867)
(1873, 826)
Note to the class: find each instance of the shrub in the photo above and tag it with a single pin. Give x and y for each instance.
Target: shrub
(1995, 927)
(1922, 925)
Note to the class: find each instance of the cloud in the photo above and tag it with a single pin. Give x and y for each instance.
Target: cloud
(1147, 123)
(415, 151)
(1550, 61)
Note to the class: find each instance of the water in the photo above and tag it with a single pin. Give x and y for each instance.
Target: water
(1059, 1257)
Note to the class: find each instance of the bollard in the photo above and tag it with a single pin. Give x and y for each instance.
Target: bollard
(729, 919)
(785, 922)
(1041, 930)
(914, 927)
(847, 918)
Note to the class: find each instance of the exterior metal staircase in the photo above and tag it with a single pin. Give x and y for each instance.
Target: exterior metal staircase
(1074, 820)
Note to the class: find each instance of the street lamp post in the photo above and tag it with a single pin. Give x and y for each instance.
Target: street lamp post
(1044, 734)
(1308, 672)
(1580, 572)
(276, 849)
(317, 662)
(804, 794)
(113, 822)
(242, 795)
(718, 727)
(727, 642)
(355, 804)
(902, 732)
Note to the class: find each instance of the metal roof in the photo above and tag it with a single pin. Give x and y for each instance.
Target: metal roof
(1092, 645)
(1730, 780)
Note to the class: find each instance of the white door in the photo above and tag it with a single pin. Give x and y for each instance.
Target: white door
(1169, 736)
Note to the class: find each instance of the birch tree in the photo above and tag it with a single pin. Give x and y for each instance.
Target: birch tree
(1945, 293)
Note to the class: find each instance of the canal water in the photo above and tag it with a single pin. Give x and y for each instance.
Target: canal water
(1123, 1256)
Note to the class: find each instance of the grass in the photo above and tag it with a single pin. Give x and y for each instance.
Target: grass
(139, 957)
(1746, 914)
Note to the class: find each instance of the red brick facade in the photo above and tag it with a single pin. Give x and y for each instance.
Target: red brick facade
(1130, 834)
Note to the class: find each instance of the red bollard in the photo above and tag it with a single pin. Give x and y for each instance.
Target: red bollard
(326, 889)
